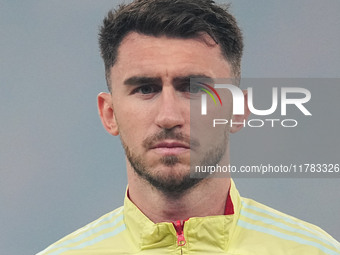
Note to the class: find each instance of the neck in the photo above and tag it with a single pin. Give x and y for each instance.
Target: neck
(207, 198)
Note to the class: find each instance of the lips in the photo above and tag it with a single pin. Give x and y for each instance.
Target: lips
(170, 147)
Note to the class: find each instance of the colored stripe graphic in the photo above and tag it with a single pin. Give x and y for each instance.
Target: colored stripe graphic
(207, 91)
(213, 90)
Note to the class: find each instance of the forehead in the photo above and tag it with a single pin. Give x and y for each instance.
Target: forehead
(141, 54)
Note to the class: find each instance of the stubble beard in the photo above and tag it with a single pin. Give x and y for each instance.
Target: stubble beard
(175, 185)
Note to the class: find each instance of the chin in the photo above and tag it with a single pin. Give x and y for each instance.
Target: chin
(173, 182)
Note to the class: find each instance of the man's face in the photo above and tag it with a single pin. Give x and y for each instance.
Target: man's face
(151, 106)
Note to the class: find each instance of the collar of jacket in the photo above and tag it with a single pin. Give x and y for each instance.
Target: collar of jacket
(207, 233)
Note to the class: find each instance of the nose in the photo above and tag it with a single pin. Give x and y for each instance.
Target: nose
(171, 109)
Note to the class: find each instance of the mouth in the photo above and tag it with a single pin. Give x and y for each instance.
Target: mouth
(170, 148)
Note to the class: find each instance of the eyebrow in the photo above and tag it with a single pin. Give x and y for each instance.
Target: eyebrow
(143, 80)
(140, 80)
(196, 77)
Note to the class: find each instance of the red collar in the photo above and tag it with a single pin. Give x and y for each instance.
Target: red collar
(229, 207)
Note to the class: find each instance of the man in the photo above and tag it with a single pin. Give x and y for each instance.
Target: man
(151, 50)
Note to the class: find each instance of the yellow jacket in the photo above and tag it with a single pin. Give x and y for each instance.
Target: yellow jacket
(252, 229)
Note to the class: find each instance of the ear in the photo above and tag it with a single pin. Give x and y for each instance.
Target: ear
(241, 118)
(106, 113)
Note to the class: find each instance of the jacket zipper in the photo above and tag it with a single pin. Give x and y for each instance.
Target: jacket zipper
(179, 225)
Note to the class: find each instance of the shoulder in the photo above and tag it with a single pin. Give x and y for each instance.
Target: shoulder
(283, 232)
(108, 227)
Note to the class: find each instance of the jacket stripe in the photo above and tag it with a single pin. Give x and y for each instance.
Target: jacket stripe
(288, 220)
(92, 241)
(272, 232)
(283, 226)
(89, 230)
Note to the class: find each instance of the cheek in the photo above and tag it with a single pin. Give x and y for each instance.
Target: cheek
(133, 124)
(202, 126)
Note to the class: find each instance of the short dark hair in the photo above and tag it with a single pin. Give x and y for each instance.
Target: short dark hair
(174, 19)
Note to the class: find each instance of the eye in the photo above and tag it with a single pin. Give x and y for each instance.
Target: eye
(190, 88)
(147, 89)
(194, 88)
